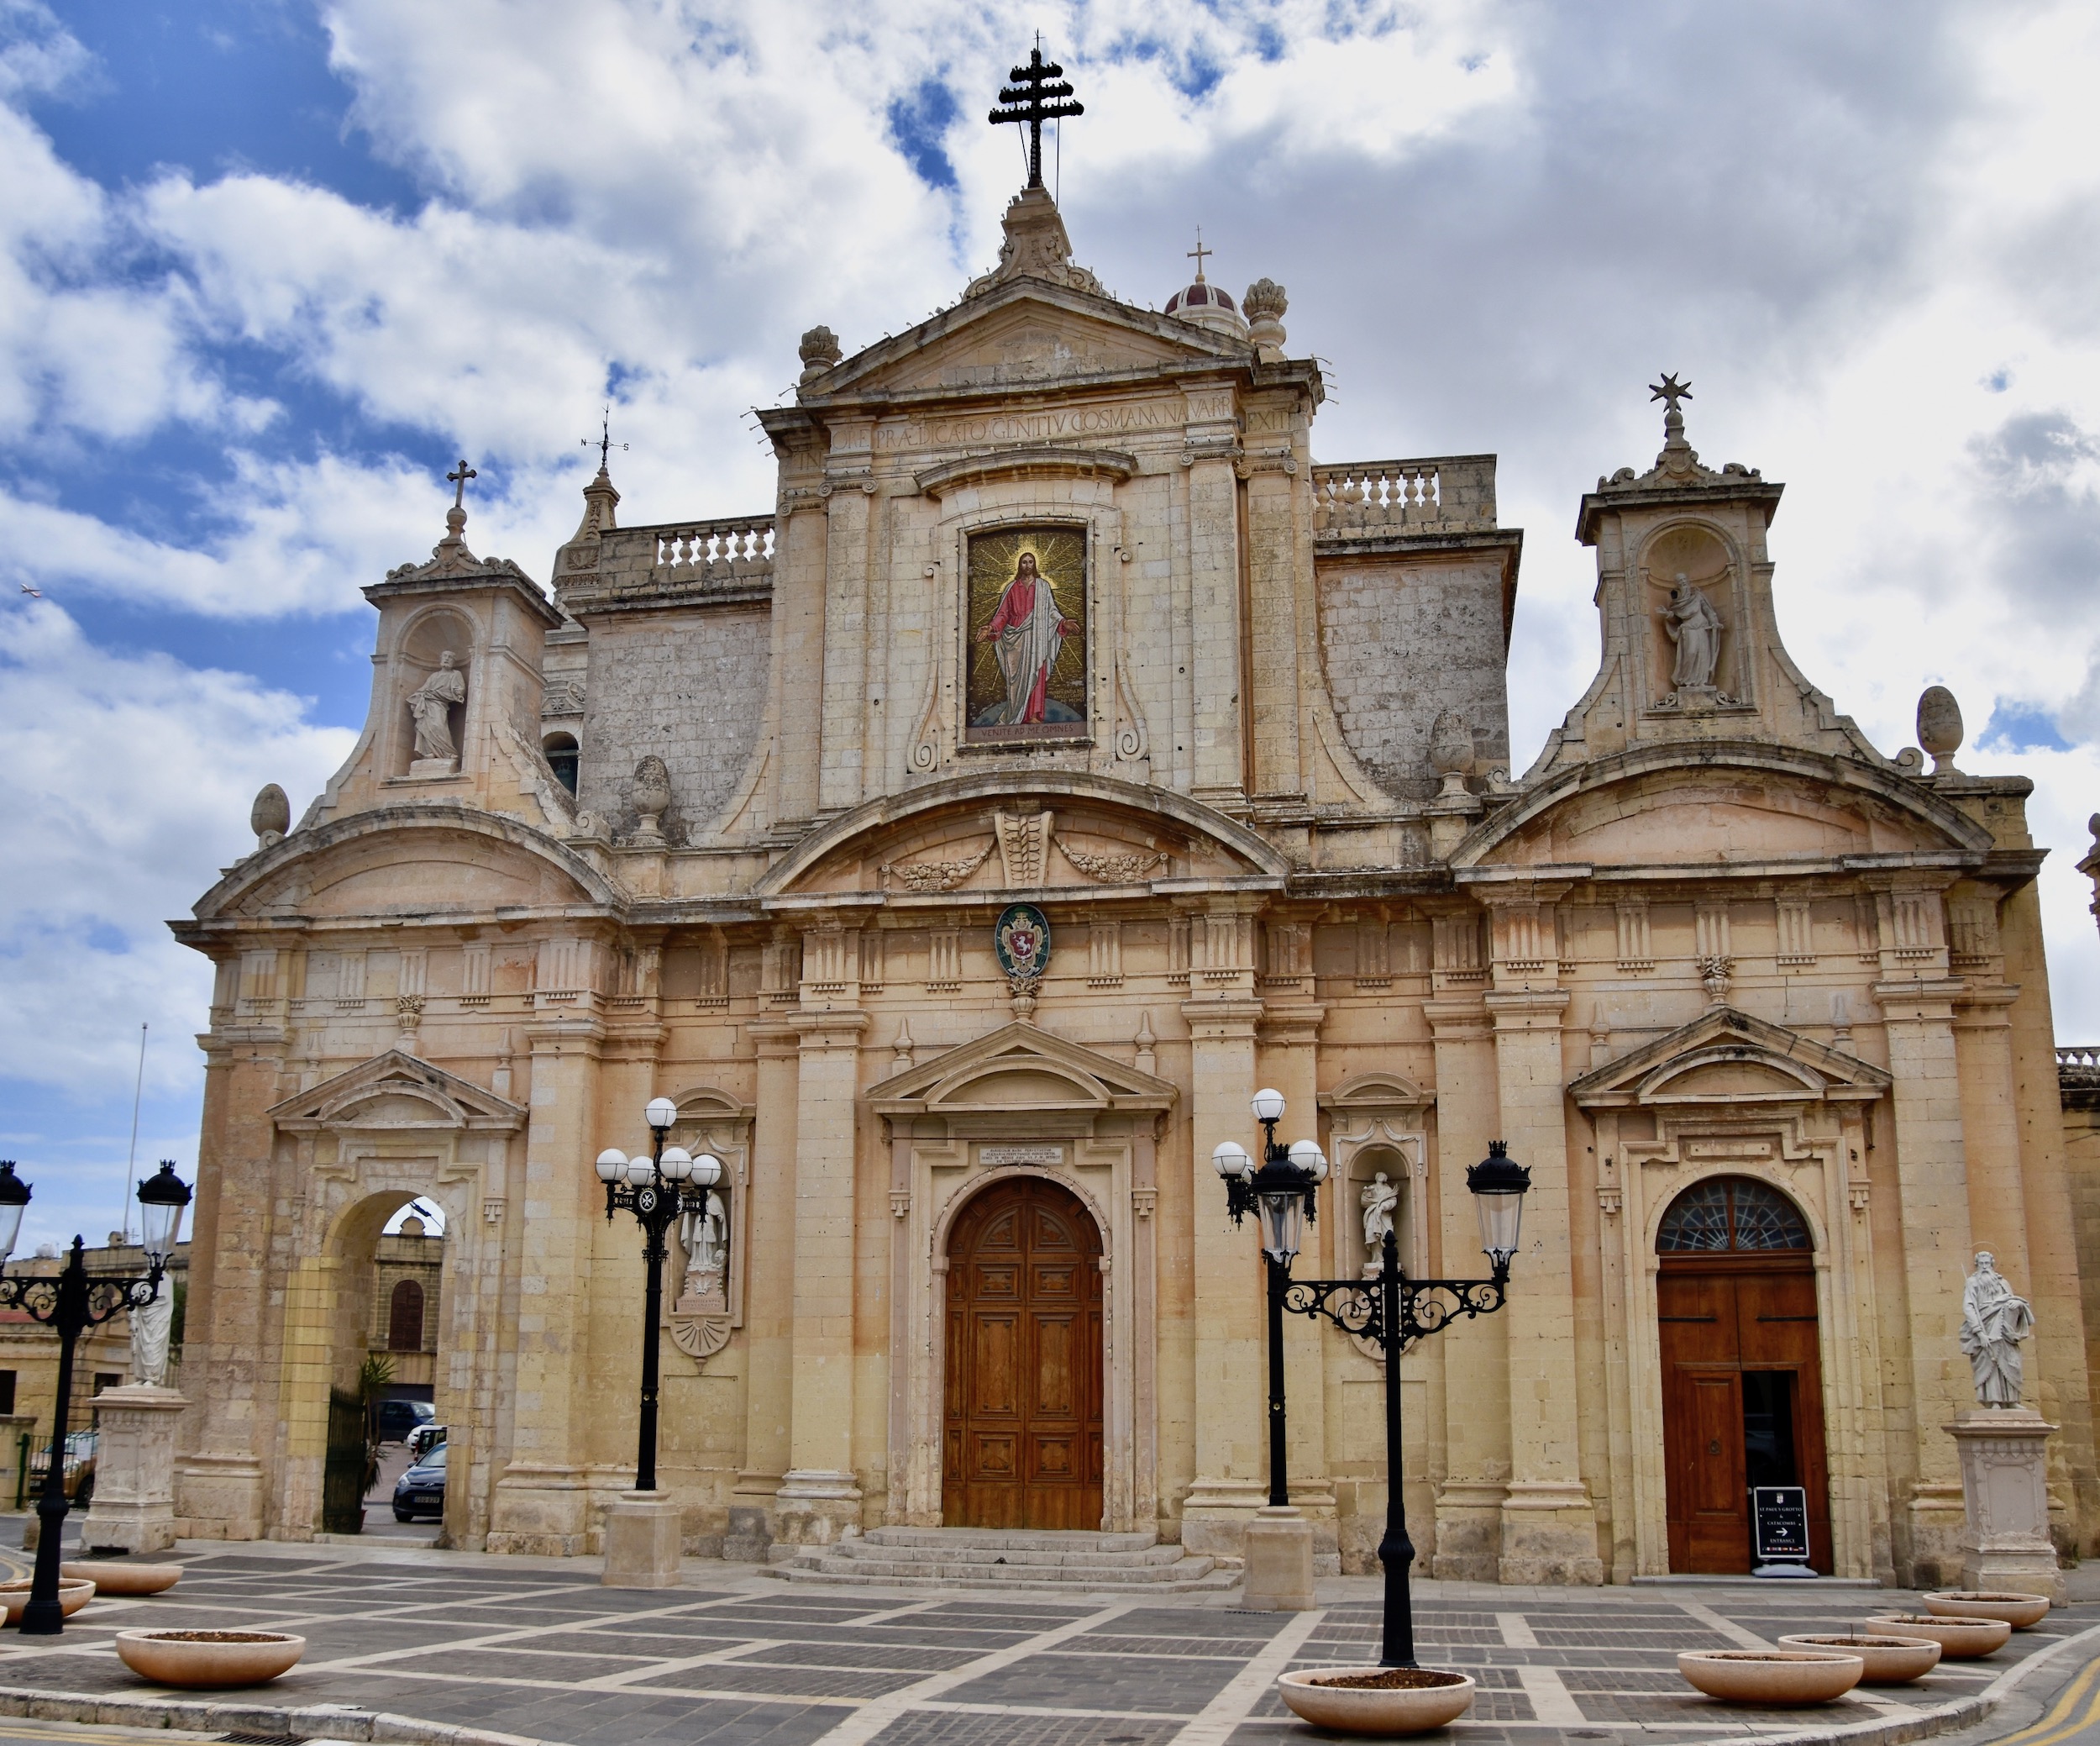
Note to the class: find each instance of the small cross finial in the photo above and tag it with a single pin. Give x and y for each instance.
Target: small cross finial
(1670, 390)
(459, 477)
(1198, 252)
(605, 445)
(1035, 94)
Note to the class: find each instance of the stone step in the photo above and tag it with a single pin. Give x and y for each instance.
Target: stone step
(1011, 1539)
(920, 1551)
(854, 1574)
(961, 1570)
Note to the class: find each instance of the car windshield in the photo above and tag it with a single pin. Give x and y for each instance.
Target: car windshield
(436, 1457)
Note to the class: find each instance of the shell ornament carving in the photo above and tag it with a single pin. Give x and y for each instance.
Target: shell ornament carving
(700, 1336)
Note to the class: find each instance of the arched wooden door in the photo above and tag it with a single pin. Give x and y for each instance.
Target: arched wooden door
(1023, 1394)
(1742, 1382)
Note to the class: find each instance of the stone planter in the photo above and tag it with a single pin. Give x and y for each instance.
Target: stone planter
(1890, 1660)
(1771, 1676)
(1346, 1699)
(71, 1597)
(2018, 1611)
(120, 1577)
(208, 1658)
(1959, 1639)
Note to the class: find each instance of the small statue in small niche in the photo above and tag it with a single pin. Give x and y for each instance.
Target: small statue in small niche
(431, 706)
(1380, 1199)
(1696, 629)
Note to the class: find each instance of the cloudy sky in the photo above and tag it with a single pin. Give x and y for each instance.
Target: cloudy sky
(267, 267)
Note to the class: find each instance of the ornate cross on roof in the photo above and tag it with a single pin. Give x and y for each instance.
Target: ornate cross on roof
(458, 477)
(1037, 94)
(605, 444)
(1198, 253)
(1670, 390)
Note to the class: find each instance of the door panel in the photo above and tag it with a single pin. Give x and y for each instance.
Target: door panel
(1023, 1393)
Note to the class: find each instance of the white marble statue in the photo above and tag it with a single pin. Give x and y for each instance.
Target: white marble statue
(431, 705)
(1696, 629)
(1380, 1200)
(706, 1241)
(150, 1330)
(1993, 1323)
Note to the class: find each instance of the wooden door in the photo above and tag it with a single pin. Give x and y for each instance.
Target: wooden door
(1023, 1393)
(1742, 1403)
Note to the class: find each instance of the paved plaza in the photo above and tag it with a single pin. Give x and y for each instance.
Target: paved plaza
(537, 1649)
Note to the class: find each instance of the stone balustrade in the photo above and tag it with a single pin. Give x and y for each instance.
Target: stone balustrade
(1368, 498)
(737, 547)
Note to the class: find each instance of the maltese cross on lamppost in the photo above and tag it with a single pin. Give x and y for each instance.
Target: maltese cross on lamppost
(1037, 94)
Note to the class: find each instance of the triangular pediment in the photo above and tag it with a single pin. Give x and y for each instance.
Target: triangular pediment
(1021, 1069)
(1725, 1057)
(395, 1092)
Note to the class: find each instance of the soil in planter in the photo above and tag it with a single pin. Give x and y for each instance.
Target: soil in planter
(1393, 1679)
(218, 1637)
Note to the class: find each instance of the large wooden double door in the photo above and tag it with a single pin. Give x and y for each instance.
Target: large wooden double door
(1023, 1387)
(1742, 1402)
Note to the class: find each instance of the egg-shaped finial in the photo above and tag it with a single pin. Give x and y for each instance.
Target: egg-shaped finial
(271, 817)
(1939, 727)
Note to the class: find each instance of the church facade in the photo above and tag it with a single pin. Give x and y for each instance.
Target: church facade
(1067, 754)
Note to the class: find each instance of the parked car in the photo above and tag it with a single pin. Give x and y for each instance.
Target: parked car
(82, 1447)
(422, 1439)
(420, 1490)
(395, 1419)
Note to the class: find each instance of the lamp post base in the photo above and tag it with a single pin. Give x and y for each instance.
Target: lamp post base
(643, 1536)
(1279, 1561)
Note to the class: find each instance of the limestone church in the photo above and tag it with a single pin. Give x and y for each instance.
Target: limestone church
(1057, 606)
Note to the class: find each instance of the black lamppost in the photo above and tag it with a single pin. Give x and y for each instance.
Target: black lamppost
(1394, 1312)
(1281, 1192)
(72, 1302)
(655, 1190)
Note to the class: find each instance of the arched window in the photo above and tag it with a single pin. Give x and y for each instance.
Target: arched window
(561, 753)
(1732, 1213)
(404, 1317)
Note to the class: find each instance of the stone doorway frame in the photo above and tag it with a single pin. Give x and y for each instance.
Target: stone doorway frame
(953, 1129)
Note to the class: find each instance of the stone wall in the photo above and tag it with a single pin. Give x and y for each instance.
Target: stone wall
(1403, 640)
(691, 689)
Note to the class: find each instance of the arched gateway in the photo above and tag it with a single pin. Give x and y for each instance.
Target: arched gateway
(1022, 1433)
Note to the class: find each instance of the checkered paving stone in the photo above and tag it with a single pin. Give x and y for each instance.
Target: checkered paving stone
(741, 1662)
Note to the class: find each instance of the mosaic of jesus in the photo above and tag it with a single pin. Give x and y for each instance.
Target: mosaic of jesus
(1027, 634)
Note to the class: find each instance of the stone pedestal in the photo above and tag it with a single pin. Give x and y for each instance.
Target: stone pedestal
(643, 1531)
(1279, 1561)
(815, 1507)
(133, 1509)
(2005, 1541)
(422, 769)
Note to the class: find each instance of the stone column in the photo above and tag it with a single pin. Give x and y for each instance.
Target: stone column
(1232, 1480)
(819, 1494)
(768, 1301)
(1932, 1205)
(133, 1505)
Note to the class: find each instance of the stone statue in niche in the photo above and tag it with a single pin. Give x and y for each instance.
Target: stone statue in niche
(430, 704)
(1696, 629)
(1993, 1323)
(704, 1237)
(1380, 1200)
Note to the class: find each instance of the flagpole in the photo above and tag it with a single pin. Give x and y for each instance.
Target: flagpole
(131, 1158)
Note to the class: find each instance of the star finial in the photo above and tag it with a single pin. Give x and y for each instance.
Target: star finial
(1670, 390)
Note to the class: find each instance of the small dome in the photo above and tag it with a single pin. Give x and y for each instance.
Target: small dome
(1208, 306)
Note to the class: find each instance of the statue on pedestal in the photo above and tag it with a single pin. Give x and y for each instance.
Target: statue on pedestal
(1993, 1323)
(150, 1331)
(1380, 1200)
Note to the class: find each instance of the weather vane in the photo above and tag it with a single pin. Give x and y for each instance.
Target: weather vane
(1670, 390)
(1037, 94)
(459, 477)
(605, 445)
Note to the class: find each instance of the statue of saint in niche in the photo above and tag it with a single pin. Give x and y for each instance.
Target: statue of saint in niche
(1696, 629)
(1027, 634)
(431, 706)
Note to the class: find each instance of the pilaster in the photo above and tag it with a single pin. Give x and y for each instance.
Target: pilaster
(1215, 589)
(848, 487)
(768, 1313)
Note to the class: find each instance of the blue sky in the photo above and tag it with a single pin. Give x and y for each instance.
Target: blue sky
(268, 268)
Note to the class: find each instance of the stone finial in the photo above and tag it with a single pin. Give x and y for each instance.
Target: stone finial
(1940, 727)
(1036, 247)
(1265, 304)
(651, 793)
(819, 352)
(1451, 752)
(271, 817)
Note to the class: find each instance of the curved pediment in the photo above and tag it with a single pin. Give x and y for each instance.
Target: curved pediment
(1727, 1058)
(1024, 831)
(1020, 1070)
(1373, 1091)
(1722, 805)
(423, 861)
(394, 1093)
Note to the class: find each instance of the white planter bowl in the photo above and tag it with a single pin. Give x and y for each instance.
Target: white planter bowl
(1771, 1676)
(208, 1658)
(2018, 1611)
(1959, 1639)
(71, 1597)
(1372, 1710)
(120, 1577)
(1892, 1660)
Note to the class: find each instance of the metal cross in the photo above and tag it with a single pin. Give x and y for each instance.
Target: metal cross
(1670, 390)
(460, 477)
(605, 444)
(1198, 253)
(1032, 99)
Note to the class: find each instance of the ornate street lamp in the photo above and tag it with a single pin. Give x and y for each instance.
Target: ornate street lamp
(72, 1302)
(655, 1189)
(1394, 1312)
(1280, 1194)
